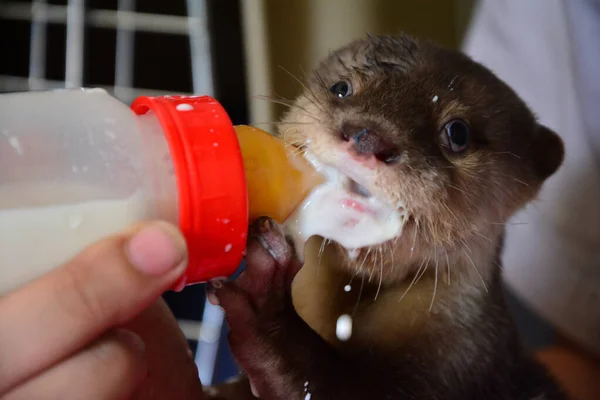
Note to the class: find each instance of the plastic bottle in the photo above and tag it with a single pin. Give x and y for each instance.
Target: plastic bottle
(77, 165)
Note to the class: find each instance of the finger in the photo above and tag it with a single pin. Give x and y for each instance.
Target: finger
(261, 263)
(172, 372)
(271, 236)
(236, 304)
(110, 369)
(260, 269)
(268, 245)
(107, 284)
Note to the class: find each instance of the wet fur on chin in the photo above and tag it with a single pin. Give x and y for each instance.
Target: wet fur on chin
(430, 321)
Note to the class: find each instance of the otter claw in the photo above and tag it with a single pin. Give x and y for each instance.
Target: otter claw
(272, 238)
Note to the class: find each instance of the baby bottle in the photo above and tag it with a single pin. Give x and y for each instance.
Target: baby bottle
(78, 165)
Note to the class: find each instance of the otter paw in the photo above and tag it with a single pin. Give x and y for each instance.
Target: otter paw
(271, 265)
(258, 305)
(271, 262)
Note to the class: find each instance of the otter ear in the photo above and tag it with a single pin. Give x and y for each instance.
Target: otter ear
(547, 152)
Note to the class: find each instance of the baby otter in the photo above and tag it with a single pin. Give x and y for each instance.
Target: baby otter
(438, 138)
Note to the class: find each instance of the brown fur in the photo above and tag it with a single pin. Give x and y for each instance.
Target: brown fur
(430, 320)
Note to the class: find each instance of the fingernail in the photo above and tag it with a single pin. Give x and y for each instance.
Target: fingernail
(156, 249)
(254, 390)
(135, 343)
(261, 225)
(212, 298)
(180, 285)
(211, 287)
(217, 283)
(109, 344)
(131, 339)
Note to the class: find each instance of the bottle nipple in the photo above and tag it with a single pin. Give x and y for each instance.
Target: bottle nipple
(278, 179)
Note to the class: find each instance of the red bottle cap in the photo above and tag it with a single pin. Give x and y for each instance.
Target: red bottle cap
(213, 203)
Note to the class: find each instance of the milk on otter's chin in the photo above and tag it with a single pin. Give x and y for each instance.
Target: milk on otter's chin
(35, 238)
(353, 221)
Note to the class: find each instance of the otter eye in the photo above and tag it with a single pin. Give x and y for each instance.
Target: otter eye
(341, 89)
(455, 136)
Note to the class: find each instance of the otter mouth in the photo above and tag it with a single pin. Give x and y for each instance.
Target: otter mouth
(344, 210)
(358, 198)
(357, 188)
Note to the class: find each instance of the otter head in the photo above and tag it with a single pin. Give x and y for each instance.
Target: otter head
(428, 132)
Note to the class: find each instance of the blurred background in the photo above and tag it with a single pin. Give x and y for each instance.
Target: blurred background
(233, 50)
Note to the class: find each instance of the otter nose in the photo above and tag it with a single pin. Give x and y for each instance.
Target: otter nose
(366, 140)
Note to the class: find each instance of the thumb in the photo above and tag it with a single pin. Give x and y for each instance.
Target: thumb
(104, 286)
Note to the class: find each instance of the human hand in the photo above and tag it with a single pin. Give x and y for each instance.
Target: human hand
(172, 371)
(62, 334)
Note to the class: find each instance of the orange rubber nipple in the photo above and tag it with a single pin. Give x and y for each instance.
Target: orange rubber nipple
(277, 179)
